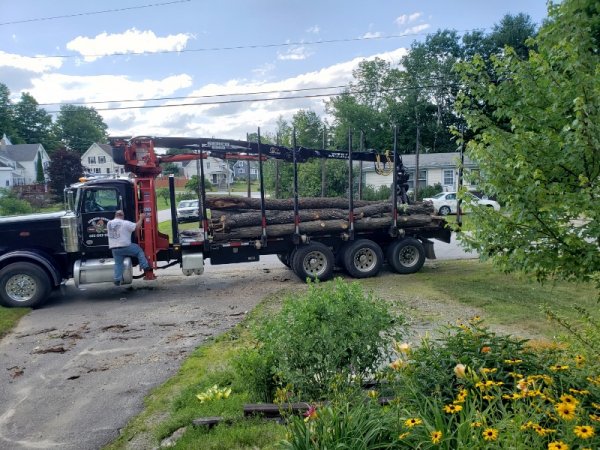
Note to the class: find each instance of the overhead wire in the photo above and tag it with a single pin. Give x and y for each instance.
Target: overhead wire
(91, 13)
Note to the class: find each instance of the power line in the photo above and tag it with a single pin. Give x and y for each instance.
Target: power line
(237, 47)
(266, 99)
(198, 96)
(40, 19)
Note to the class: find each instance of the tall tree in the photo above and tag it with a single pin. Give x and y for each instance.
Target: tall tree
(34, 124)
(78, 127)
(7, 116)
(64, 169)
(538, 153)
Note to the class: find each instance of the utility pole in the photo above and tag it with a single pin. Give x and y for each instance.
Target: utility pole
(323, 167)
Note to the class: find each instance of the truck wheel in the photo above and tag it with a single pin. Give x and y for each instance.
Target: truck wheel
(406, 256)
(23, 284)
(314, 261)
(362, 258)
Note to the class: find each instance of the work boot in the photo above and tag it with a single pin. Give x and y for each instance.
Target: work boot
(149, 274)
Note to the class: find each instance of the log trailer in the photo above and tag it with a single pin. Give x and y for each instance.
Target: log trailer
(39, 252)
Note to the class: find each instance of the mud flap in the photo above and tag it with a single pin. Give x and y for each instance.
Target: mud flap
(429, 251)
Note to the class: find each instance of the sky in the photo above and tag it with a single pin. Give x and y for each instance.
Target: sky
(189, 67)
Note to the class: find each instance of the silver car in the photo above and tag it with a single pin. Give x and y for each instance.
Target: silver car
(446, 203)
(187, 211)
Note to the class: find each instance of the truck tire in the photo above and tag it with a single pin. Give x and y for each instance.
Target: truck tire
(314, 261)
(23, 284)
(362, 258)
(406, 256)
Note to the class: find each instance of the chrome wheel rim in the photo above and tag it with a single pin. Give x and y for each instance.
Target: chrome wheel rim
(365, 259)
(314, 263)
(21, 287)
(408, 256)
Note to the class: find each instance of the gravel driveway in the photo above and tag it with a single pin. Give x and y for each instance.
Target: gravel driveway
(73, 373)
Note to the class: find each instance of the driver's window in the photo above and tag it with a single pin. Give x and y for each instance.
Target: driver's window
(95, 200)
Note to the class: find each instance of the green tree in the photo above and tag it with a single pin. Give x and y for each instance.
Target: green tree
(78, 127)
(39, 170)
(34, 124)
(538, 150)
(7, 116)
(170, 169)
(64, 169)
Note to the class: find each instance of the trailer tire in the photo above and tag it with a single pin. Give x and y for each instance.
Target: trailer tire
(313, 261)
(362, 258)
(406, 256)
(23, 284)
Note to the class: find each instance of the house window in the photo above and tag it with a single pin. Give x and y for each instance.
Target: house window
(101, 159)
(97, 170)
(422, 179)
(108, 170)
(207, 165)
(448, 177)
(91, 160)
(7, 182)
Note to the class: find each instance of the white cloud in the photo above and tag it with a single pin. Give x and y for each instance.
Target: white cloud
(294, 54)
(37, 65)
(131, 41)
(417, 29)
(407, 18)
(372, 34)
(313, 30)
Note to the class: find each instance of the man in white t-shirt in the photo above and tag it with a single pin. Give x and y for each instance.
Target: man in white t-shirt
(119, 241)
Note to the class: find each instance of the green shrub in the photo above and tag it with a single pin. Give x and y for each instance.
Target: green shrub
(332, 334)
(370, 192)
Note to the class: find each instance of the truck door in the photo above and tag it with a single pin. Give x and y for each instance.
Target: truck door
(98, 206)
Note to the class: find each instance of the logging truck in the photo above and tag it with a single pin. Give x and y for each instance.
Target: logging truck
(312, 236)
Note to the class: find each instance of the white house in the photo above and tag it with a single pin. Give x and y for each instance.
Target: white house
(434, 168)
(216, 170)
(98, 160)
(21, 160)
(240, 170)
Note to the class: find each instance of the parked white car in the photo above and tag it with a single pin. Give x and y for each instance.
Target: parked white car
(446, 203)
(187, 211)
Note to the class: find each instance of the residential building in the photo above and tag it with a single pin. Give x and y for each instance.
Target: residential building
(240, 170)
(434, 168)
(216, 171)
(19, 162)
(98, 161)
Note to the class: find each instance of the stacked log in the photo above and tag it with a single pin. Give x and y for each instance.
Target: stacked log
(240, 217)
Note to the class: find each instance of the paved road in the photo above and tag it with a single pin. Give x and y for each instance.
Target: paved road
(75, 371)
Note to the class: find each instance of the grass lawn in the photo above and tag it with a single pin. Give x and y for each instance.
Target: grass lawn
(9, 317)
(502, 299)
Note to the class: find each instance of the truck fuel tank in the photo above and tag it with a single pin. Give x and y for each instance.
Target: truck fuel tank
(100, 271)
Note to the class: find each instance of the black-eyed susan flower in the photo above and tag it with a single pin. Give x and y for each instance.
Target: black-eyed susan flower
(436, 436)
(476, 424)
(490, 434)
(453, 408)
(559, 367)
(413, 422)
(584, 431)
(579, 391)
(566, 411)
(594, 380)
(579, 360)
(512, 396)
(513, 361)
(486, 370)
(558, 445)
(595, 417)
(566, 398)
(403, 435)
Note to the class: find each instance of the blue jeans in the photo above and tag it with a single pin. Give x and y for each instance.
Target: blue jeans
(130, 250)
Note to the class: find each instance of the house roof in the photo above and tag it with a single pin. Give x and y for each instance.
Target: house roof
(107, 148)
(21, 152)
(430, 161)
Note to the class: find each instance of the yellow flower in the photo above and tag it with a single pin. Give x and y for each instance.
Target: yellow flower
(579, 391)
(311, 413)
(459, 370)
(515, 375)
(579, 359)
(490, 434)
(403, 435)
(594, 380)
(559, 367)
(558, 445)
(397, 365)
(595, 417)
(402, 348)
(512, 396)
(485, 370)
(489, 398)
(543, 431)
(565, 410)
(436, 437)
(476, 424)
(513, 361)
(596, 405)
(372, 393)
(584, 431)
(414, 421)
(566, 398)
(452, 408)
